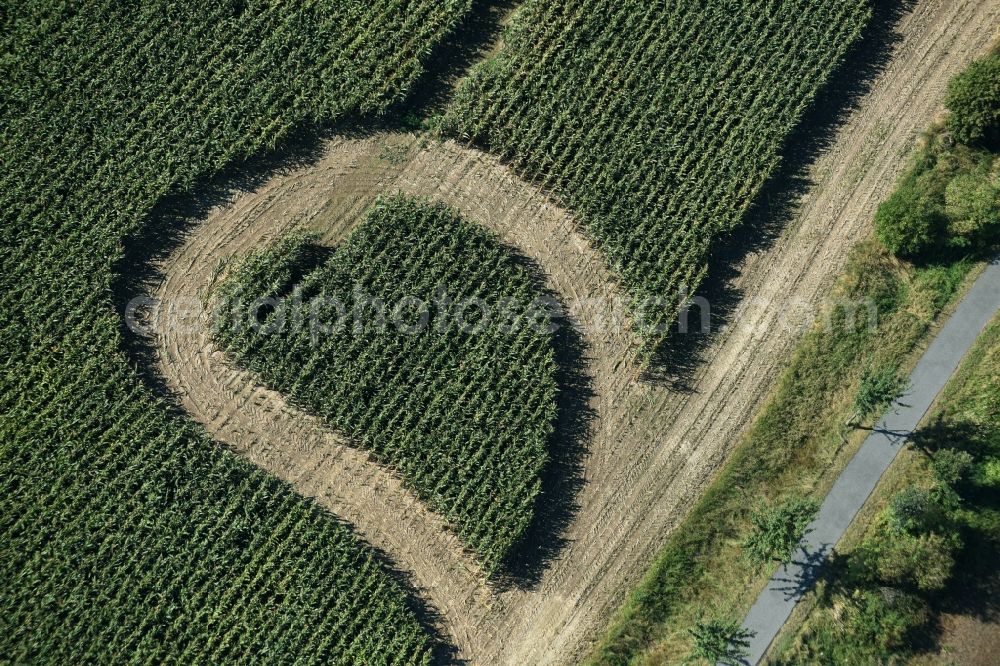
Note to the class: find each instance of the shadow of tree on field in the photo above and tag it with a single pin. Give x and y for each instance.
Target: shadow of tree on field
(941, 434)
(777, 204)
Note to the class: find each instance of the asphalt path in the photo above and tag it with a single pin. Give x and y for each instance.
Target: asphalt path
(856, 483)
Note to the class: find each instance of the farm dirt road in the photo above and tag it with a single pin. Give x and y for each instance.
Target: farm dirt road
(651, 449)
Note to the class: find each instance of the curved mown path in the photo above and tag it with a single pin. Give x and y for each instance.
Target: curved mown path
(651, 450)
(329, 197)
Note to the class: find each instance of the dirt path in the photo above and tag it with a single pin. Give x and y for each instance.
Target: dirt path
(652, 449)
(329, 197)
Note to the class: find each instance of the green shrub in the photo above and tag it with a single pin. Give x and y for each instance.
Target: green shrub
(777, 531)
(936, 285)
(949, 196)
(913, 510)
(991, 472)
(974, 102)
(880, 620)
(972, 204)
(909, 222)
(951, 466)
(719, 642)
(869, 276)
(879, 387)
(924, 561)
(867, 626)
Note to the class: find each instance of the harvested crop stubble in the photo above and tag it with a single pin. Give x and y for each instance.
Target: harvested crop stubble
(657, 122)
(424, 340)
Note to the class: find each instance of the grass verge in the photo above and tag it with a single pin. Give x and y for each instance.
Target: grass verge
(796, 448)
(942, 215)
(882, 311)
(888, 588)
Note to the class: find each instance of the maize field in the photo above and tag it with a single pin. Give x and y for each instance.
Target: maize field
(128, 535)
(413, 363)
(656, 122)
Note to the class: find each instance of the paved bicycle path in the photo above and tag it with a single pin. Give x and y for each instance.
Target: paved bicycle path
(788, 585)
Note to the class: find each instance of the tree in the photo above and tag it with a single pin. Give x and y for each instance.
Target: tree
(720, 641)
(879, 387)
(778, 530)
(974, 103)
(991, 473)
(877, 622)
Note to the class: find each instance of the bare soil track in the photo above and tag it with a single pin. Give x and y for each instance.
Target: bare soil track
(652, 449)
